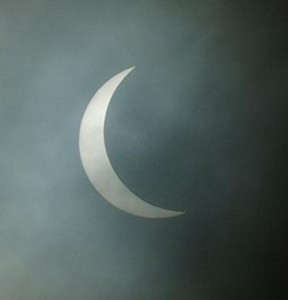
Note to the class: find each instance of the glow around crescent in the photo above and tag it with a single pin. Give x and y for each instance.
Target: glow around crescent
(97, 164)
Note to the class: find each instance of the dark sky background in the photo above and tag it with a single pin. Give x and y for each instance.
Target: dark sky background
(200, 125)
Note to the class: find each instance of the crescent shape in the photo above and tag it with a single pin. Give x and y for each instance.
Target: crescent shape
(97, 164)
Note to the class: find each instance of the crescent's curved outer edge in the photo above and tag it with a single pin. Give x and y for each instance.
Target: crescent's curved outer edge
(97, 164)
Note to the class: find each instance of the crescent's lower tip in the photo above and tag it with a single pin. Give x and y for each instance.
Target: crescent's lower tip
(181, 213)
(177, 213)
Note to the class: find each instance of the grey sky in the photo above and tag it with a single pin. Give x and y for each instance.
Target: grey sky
(200, 125)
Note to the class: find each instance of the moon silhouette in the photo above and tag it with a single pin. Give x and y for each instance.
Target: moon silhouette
(96, 162)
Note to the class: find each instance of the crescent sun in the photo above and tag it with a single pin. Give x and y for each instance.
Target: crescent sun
(96, 162)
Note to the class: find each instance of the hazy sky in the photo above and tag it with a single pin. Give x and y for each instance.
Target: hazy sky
(200, 125)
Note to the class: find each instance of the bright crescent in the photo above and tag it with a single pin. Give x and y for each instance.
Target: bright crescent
(96, 162)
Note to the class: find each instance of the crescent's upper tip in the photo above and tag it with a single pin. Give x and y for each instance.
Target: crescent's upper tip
(131, 69)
